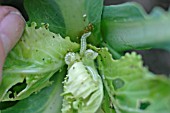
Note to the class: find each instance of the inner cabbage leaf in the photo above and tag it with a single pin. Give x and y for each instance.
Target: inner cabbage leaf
(83, 87)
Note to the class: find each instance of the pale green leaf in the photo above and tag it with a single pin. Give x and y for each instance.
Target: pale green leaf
(37, 56)
(83, 87)
(131, 87)
(47, 100)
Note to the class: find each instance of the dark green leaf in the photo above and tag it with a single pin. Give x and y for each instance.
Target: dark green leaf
(68, 17)
(47, 100)
(107, 106)
(127, 26)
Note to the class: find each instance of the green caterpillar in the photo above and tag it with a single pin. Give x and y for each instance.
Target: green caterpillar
(83, 88)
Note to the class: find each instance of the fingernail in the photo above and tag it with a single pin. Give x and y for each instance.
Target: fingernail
(18, 13)
(15, 12)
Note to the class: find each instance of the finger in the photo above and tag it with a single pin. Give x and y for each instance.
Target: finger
(5, 10)
(11, 28)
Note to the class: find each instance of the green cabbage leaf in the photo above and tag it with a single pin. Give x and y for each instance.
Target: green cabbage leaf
(29, 66)
(128, 27)
(68, 17)
(131, 87)
(48, 100)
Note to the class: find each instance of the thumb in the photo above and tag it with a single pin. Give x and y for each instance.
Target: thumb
(11, 28)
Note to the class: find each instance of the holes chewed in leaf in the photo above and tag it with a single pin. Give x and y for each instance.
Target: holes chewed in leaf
(118, 83)
(17, 88)
(143, 104)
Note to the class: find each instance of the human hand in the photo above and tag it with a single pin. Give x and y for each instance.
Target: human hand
(11, 27)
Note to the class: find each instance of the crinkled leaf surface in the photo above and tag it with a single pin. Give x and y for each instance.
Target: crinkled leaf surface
(83, 87)
(82, 94)
(127, 26)
(131, 87)
(68, 17)
(47, 100)
(36, 57)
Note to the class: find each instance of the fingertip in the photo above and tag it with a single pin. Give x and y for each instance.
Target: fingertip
(5, 10)
(11, 28)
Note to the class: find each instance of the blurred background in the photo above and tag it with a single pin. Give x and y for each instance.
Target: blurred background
(147, 4)
(158, 61)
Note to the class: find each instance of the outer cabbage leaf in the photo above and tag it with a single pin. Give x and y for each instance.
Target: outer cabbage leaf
(48, 100)
(68, 17)
(131, 87)
(37, 56)
(127, 26)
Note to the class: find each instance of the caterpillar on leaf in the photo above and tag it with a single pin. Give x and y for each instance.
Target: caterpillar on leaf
(83, 88)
